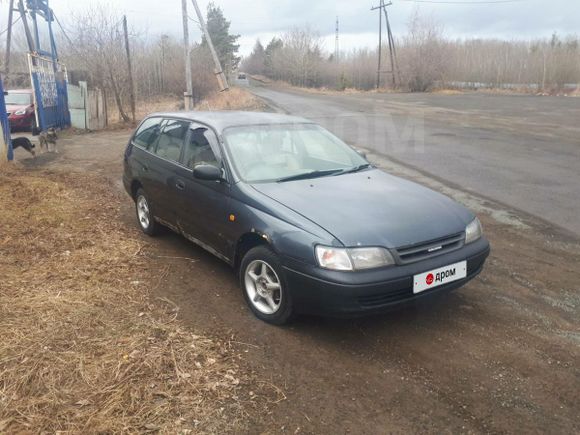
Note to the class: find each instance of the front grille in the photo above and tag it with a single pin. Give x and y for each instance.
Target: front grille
(422, 251)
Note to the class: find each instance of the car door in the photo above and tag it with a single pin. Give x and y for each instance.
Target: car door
(162, 172)
(202, 212)
(140, 157)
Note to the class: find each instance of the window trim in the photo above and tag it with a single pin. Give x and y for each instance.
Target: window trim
(137, 130)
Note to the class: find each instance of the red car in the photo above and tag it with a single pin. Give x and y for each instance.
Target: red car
(20, 108)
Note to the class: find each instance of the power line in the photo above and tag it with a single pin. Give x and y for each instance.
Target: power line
(460, 2)
(62, 29)
(13, 22)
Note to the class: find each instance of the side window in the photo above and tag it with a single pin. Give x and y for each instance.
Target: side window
(199, 148)
(171, 139)
(148, 133)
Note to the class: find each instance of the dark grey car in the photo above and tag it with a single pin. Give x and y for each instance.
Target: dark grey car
(308, 223)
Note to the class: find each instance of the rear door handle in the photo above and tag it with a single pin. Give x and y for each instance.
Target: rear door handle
(145, 168)
(180, 184)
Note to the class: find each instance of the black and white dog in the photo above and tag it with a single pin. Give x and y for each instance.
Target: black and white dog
(23, 142)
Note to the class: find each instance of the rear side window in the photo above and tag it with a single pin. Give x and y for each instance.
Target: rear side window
(172, 139)
(148, 132)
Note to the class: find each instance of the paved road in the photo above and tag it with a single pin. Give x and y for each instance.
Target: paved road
(523, 151)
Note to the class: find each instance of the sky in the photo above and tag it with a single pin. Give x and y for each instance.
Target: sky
(523, 19)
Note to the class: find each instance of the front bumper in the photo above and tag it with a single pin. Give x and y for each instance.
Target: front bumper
(20, 121)
(319, 291)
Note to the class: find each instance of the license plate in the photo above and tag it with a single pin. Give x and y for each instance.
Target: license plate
(436, 277)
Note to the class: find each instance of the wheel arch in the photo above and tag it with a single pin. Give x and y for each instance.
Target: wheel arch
(249, 241)
(135, 186)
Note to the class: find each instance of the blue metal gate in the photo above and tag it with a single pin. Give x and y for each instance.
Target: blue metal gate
(5, 126)
(49, 81)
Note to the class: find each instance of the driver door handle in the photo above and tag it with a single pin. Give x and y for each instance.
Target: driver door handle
(180, 184)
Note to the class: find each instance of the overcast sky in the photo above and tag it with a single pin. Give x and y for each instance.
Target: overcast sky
(358, 25)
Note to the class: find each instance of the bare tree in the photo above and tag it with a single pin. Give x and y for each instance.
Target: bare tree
(422, 55)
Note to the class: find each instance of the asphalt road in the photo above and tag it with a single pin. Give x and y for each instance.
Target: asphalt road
(523, 151)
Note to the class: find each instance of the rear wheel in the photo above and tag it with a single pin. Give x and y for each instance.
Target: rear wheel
(144, 214)
(265, 290)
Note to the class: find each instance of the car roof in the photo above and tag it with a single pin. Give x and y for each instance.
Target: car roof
(220, 120)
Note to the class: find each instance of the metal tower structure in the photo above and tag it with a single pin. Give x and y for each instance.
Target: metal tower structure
(394, 71)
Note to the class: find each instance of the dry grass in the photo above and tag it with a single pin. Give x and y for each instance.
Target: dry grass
(233, 99)
(160, 104)
(84, 349)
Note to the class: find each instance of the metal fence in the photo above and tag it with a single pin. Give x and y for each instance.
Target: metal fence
(5, 141)
(49, 81)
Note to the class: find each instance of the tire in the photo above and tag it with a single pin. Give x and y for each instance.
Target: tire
(264, 286)
(144, 214)
(33, 126)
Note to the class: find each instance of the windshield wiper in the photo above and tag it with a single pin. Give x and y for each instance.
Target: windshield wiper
(307, 175)
(355, 169)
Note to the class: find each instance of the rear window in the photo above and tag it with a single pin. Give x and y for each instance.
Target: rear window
(148, 133)
(18, 98)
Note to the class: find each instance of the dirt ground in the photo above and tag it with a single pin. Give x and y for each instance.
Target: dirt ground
(501, 355)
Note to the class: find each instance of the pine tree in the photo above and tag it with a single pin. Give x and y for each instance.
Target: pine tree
(224, 43)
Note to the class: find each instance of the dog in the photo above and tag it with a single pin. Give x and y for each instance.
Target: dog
(23, 142)
(48, 138)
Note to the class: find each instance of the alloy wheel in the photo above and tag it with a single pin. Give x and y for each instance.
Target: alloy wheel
(263, 287)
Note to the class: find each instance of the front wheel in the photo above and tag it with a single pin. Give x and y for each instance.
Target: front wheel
(265, 290)
(144, 214)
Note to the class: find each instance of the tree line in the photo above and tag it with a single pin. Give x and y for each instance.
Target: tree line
(426, 59)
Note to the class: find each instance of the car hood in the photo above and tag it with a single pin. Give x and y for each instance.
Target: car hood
(371, 208)
(16, 107)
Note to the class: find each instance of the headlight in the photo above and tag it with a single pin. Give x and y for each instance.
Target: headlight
(353, 259)
(333, 258)
(473, 231)
(20, 112)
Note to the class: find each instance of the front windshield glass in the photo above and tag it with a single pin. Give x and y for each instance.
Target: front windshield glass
(18, 99)
(263, 153)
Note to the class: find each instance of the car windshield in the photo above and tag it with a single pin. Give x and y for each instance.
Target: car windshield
(283, 152)
(18, 99)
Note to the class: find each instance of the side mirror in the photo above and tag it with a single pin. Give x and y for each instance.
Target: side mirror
(207, 172)
(362, 154)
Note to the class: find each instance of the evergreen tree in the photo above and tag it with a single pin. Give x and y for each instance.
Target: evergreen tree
(225, 44)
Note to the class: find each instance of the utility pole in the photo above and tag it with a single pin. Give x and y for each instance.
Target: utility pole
(8, 39)
(31, 47)
(188, 95)
(392, 50)
(129, 68)
(221, 77)
(382, 8)
(336, 47)
(380, 46)
(161, 70)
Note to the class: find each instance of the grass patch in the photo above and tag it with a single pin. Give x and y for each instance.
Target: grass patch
(233, 99)
(84, 349)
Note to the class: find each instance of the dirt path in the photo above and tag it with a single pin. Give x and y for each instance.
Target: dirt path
(501, 355)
